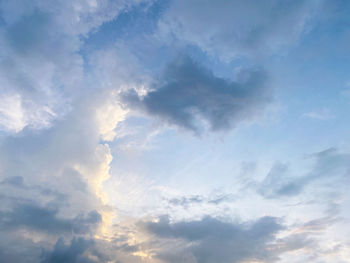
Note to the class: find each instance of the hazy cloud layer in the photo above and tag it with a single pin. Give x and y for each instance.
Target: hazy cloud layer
(235, 28)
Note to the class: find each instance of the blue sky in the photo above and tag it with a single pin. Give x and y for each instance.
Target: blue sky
(166, 131)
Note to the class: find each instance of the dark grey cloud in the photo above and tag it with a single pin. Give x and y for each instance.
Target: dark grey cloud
(216, 240)
(192, 97)
(39, 218)
(90, 250)
(213, 240)
(329, 166)
(72, 253)
(18, 250)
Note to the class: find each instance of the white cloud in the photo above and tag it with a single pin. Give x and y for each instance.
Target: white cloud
(108, 116)
(322, 114)
(11, 114)
(40, 61)
(231, 29)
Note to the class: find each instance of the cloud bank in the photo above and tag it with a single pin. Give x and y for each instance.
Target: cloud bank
(215, 240)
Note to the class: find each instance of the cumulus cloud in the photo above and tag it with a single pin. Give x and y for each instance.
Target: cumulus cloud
(56, 191)
(41, 69)
(234, 28)
(192, 97)
(53, 156)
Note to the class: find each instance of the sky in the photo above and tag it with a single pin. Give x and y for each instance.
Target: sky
(174, 131)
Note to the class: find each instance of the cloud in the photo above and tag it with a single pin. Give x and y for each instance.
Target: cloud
(235, 28)
(11, 114)
(53, 158)
(192, 97)
(60, 107)
(90, 250)
(323, 114)
(185, 201)
(72, 253)
(279, 183)
(14, 249)
(214, 240)
(46, 219)
(51, 180)
(329, 166)
(42, 68)
(188, 201)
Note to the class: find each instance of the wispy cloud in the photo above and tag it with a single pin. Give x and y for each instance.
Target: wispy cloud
(323, 114)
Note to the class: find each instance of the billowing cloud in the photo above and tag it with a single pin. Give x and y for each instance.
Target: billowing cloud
(41, 69)
(57, 189)
(54, 202)
(192, 97)
(53, 156)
